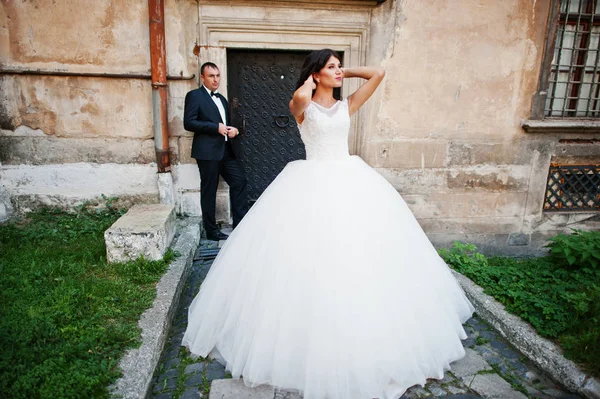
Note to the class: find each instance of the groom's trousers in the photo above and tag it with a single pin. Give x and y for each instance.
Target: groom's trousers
(233, 174)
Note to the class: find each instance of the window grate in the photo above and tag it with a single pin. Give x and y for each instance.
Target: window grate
(574, 85)
(573, 188)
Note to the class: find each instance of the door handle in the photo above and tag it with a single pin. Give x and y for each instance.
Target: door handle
(282, 120)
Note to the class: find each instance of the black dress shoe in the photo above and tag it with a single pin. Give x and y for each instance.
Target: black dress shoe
(218, 236)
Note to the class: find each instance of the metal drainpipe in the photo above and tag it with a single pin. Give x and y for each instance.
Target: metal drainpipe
(158, 61)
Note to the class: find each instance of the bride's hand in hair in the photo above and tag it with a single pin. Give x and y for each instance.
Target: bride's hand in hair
(310, 80)
(301, 98)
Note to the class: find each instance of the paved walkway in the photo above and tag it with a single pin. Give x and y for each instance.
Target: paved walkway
(491, 368)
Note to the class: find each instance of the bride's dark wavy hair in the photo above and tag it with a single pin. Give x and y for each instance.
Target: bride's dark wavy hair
(314, 63)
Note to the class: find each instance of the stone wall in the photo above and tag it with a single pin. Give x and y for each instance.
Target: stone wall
(444, 128)
(69, 139)
(447, 130)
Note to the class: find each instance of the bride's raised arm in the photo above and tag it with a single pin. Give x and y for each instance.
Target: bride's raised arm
(373, 75)
(302, 98)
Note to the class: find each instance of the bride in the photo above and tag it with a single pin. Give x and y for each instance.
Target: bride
(329, 285)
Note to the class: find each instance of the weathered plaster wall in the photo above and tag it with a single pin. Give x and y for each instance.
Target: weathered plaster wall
(108, 37)
(447, 121)
(64, 140)
(461, 68)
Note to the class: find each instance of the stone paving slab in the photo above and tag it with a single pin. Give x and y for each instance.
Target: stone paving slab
(235, 388)
(490, 369)
(469, 365)
(492, 386)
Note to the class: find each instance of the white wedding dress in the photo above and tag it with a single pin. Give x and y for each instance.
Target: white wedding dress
(329, 285)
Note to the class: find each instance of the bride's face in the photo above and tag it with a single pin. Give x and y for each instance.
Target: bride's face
(331, 74)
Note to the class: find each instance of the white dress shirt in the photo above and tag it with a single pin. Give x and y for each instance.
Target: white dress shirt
(219, 105)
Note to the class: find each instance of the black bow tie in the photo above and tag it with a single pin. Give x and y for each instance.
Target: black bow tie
(212, 94)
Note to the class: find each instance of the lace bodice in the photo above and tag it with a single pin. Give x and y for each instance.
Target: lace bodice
(324, 131)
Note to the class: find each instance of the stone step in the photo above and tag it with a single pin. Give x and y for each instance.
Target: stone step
(235, 389)
(146, 229)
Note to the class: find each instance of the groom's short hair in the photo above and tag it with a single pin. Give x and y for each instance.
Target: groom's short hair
(207, 65)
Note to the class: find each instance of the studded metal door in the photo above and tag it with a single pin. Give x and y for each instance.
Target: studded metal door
(260, 85)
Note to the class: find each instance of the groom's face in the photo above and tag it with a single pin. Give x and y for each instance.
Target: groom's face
(211, 78)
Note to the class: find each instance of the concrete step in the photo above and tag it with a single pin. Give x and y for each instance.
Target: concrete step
(146, 229)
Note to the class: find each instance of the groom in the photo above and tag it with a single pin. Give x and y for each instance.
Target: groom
(206, 114)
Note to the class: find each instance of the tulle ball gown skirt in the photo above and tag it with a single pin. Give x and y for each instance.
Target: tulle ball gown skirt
(329, 286)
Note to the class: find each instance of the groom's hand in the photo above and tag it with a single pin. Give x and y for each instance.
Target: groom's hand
(232, 132)
(223, 130)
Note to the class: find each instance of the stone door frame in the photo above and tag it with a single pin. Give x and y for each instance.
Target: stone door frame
(285, 28)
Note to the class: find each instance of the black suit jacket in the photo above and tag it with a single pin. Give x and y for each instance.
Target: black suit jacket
(201, 116)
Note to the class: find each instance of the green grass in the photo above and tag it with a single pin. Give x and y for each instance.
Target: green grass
(560, 301)
(66, 316)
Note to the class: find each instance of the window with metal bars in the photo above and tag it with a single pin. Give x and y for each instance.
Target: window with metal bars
(573, 188)
(574, 81)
